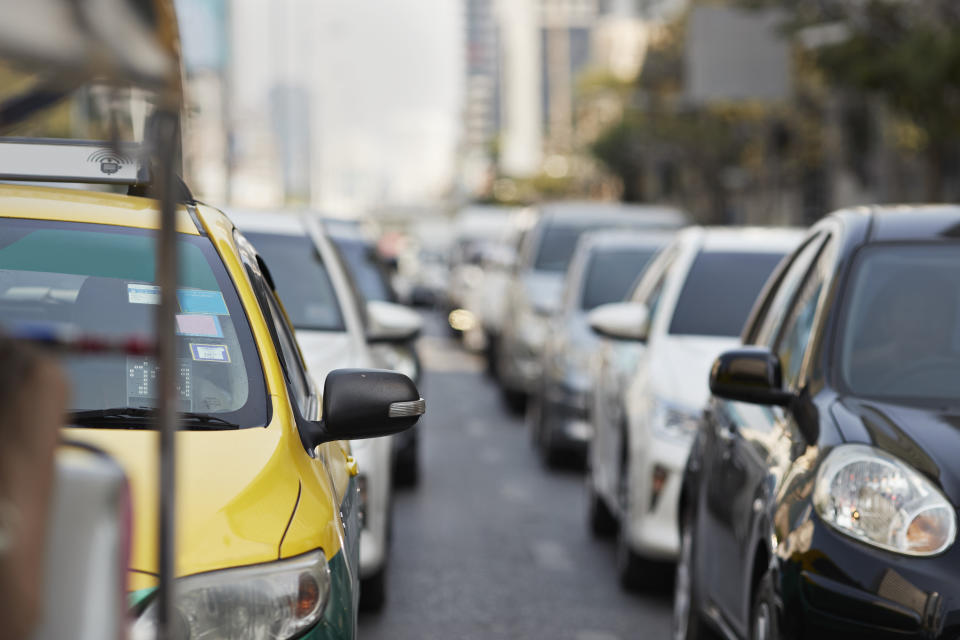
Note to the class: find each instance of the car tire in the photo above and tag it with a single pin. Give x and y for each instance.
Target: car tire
(516, 401)
(406, 472)
(764, 612)
(373, 590)
(603, 524)
(687, 621)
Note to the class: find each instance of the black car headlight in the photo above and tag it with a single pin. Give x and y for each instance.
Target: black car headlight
(872, 496)
(271, 601)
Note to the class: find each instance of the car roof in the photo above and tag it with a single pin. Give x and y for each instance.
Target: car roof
(287, 223)
(93, 207)
(588, 213)
(911, 222)
(625, 238)
(748, 239)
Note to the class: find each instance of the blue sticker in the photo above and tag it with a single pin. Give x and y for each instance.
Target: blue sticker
(210, 352)
(202, 301)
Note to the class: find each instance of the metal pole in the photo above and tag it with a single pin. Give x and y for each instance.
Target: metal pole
(167, 136)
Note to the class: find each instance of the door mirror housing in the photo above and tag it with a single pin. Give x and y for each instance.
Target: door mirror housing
(389, 322)
(363, 403)
(621, 321)
(749, 374)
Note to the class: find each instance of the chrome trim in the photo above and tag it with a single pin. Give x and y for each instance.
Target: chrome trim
(407, 409)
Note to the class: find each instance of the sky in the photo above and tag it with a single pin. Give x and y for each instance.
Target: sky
(385, 83)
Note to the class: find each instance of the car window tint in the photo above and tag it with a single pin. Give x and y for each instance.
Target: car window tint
(900, 329)
(719, 291)
(364, 269)
(780, 298)
(795, 336)
(610, 273)
(291, 354)
(99, 280)
(302, 280)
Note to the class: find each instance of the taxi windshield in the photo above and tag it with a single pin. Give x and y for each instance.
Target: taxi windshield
(98, 280)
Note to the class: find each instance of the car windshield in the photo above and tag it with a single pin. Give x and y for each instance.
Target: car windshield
(611, 273)
(98, 280)
(302, 280)
(901, 327)
(559, 240)
(365, 269)
(719, 292)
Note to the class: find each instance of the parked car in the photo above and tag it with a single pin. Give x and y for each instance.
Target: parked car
(266, 490)
(689, 306)
(604, 267)
(371, 280)
(333, 328)
(820, 496)
(537, 285)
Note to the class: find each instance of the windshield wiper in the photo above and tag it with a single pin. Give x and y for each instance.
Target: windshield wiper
(135, 417)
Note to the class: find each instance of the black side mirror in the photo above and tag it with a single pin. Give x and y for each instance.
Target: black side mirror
(364, 403)
(749, 374)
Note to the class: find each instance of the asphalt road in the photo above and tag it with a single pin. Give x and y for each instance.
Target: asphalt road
(491, 544)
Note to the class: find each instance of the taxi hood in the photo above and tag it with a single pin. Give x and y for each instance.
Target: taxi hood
(236, 491)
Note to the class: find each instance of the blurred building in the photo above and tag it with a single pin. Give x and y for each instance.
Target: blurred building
(481, 109)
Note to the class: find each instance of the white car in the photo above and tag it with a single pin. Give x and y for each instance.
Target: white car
(688, 307)
(333, 329)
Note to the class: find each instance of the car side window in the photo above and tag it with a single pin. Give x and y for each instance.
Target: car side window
(293, 368)
(779, 299)
(795, 335)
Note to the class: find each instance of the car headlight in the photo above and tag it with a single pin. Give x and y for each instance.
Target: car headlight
(872, 496)
(275, 601)
(674, 420)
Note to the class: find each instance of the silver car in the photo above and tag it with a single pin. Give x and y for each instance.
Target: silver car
(537, 285)
(604, 267)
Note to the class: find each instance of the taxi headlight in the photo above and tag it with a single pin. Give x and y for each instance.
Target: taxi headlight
(275, 601)
(876, 498)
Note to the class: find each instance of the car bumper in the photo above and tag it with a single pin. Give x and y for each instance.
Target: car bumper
(566, 416)
(652, 529)
(832, 585)
(518, 368)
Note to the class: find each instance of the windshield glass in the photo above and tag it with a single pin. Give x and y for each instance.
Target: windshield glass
(611, 273)
(98, 279)
(719, 292)
(901, 334)
(302, 280)
(365, 269)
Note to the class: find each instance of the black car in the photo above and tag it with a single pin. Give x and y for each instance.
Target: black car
(819, 500)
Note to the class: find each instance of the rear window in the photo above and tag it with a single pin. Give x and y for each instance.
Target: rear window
(302, 280)
(719, 292)
(99, 280)
(366, 271)
(611, 273)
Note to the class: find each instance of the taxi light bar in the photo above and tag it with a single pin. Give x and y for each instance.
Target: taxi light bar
(80, 161)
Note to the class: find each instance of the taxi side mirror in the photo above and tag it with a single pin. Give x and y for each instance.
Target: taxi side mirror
(364, 403)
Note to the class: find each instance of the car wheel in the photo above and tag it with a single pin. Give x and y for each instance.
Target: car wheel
(764, 614)
(687, 623)
(603, 523)
(516, 401)
(406, 472)
(373, 590)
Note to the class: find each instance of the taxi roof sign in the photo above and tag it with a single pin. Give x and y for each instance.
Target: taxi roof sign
(80, 161)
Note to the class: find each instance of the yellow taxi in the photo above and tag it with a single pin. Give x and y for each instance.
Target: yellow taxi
(266, 496)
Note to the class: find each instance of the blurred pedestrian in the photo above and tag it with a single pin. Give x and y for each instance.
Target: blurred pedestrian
(33, 404)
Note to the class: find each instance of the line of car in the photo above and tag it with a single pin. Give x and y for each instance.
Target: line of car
(283, 492)
(773, 411)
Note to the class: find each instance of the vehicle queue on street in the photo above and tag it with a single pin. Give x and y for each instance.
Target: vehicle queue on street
(773, 412)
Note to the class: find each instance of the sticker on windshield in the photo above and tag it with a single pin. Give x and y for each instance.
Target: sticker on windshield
(210, 352)
(198, 325)
(143, 293)
(202, 301)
